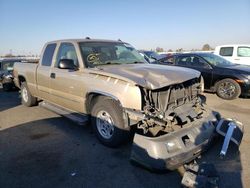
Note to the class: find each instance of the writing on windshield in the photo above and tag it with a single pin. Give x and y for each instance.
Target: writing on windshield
(106, 53)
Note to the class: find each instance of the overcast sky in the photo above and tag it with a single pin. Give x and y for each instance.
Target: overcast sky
(25, 25)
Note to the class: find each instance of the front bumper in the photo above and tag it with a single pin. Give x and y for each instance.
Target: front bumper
(174, 149)
(8, 83)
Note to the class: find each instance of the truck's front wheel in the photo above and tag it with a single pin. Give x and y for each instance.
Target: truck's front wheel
(27, 98)
(106, 117)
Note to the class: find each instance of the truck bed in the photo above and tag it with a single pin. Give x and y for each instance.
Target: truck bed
(27, 69)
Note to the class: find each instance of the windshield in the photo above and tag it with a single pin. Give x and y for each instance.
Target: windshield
(216, 60)
(108, 53)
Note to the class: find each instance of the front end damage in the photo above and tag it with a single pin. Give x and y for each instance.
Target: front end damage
(171, 150)
(173, 127)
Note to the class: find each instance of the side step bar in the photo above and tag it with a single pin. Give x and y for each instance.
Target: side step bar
(74, 116)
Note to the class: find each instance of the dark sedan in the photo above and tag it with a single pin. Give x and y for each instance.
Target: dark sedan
(228, 80)
(6, 77)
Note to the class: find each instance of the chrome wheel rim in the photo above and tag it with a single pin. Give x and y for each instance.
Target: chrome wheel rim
(227, 89)
(25, 94)
(105, 124)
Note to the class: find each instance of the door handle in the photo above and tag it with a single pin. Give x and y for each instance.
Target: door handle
(53, 75)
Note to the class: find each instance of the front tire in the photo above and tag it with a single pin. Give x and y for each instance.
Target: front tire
(27, 98)
(106, 118)
(228, 89)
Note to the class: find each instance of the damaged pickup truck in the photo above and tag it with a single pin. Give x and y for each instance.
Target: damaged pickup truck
(110, 84)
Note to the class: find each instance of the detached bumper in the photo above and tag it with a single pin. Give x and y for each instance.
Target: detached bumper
(174, 149)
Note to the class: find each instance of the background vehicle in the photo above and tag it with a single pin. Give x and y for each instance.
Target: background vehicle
(228, 80)
(110, 82)
(151, 54)
(6, 70)
(239, 54)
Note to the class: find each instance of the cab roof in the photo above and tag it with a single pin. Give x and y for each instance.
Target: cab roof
(87, 39)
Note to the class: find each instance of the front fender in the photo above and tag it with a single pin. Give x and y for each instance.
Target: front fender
(128, 96)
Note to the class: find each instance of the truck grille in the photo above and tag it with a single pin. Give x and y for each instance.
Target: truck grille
(170, 97)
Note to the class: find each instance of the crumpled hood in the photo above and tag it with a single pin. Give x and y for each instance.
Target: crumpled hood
(151, 76)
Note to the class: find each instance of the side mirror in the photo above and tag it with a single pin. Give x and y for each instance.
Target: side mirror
(67, 64)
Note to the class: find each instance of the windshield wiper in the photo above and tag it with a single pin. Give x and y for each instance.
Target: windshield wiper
(116, 63)
(107, 63)
(136, 62)
(111, 63)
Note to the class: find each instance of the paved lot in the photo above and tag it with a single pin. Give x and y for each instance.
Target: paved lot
(38, 148)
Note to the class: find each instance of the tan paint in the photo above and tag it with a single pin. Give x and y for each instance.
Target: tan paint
(70, 88)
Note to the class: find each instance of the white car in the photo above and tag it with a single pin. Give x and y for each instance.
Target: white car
(236, 53)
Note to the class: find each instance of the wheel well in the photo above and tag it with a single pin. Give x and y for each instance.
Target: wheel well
(91, 98)
(21, 79)
(90, 101)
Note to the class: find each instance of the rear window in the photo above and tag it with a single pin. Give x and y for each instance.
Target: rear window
(226, 51)
(48, 54)
(243, 51)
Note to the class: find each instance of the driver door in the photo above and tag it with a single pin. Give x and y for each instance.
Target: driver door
(66, 84)
(206, 70)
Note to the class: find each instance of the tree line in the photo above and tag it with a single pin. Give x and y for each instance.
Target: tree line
(205, 47)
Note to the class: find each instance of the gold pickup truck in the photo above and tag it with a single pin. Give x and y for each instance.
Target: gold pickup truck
(112, 85)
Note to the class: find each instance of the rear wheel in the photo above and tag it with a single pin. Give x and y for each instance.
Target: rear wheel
(228, 89)
(27, 98)
(106, 118)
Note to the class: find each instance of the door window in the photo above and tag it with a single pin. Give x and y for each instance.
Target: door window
(67, 51)
(168, 60)
(243, 51)
(48, 54)
(192, 61)
(198, 62)
(226, 51)
(184, 61)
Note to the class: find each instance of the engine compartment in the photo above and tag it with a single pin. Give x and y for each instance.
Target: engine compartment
(170, 108)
